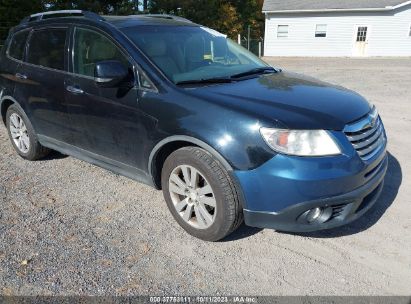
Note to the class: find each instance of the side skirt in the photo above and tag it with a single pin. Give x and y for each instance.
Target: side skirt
(98, 160)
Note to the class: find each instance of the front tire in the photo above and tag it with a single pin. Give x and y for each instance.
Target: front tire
(200, 194)
(22, 134)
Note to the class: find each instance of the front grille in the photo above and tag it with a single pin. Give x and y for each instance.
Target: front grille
(367, 136)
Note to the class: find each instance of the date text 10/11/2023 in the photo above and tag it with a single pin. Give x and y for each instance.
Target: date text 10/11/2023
(203, 299)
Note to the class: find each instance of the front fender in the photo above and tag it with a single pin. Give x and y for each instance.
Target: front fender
(231, 135)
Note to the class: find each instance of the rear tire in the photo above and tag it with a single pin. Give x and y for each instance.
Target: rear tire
(200, 194)
(22, 135)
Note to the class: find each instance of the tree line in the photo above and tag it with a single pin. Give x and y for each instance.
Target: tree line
(231, 17)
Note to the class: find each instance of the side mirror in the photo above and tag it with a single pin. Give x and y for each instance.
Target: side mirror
(110, 73)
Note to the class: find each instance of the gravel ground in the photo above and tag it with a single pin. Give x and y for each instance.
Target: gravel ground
(70, 228)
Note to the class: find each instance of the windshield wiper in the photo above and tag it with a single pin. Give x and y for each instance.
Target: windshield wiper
(206, 80)
(255, 71)
(232, 78)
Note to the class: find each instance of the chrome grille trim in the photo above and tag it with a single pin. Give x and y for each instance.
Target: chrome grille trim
(356, 137)
(374, 146)
(367, 136)
(359, 144)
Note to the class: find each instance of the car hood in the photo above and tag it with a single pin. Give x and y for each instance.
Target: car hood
(293, 100)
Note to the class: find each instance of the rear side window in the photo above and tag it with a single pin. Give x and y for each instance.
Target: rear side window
(18, 44)
(47, 48)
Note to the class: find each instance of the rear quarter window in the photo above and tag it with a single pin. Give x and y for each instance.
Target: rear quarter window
(18, 44)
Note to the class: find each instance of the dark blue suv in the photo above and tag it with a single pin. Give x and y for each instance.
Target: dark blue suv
(180, 107)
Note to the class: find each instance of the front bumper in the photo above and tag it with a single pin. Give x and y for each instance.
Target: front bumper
(278, 194)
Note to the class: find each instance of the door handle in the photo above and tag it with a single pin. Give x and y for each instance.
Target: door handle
(21, 76)
(74, 90)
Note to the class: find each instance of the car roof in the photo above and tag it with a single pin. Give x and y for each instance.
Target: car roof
(115, 21)
(135, 20)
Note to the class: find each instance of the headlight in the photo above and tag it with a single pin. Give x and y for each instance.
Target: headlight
(300, 142)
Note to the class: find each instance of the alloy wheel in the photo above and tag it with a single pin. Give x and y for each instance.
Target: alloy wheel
(19, 134)
(192, 196)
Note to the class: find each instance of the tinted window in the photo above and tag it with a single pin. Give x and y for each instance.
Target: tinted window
(91, 47)
(17, 45)
(47, 48)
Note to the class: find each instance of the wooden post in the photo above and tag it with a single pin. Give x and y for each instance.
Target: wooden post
(239, 39)
(259, 49)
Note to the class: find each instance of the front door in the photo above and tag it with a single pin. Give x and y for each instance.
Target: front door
(106, 121)
(361, 41)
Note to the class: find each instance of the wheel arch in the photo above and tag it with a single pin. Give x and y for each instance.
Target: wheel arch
(170, 144)
(5, 103)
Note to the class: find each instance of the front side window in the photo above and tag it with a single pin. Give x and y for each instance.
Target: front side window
(321, 30)
(189, 53)
(90, 47)
(18, 45)
(47, 48)
(282, 31)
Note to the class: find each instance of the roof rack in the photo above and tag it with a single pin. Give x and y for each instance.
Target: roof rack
(165, 16)
(55, 14)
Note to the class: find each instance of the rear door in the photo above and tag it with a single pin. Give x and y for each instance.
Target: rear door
(41, 82)
(11, 57)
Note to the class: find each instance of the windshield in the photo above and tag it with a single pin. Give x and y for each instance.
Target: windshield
(190, 53)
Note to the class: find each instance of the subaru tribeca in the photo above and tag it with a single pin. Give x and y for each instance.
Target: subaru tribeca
(180, 107)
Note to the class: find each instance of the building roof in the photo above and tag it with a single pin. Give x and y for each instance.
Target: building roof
(331, 5)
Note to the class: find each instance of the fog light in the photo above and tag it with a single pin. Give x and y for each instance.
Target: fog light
(314, 214)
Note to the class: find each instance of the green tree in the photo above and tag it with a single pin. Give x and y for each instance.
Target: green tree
(250, 13)
(217, 14)
(227, 21)
(227, 16)
(166, 6)
(119, 7)
(11, 13)
(231, 17)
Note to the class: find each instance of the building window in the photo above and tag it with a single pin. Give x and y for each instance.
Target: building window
(362, 34)
(321, 30)
(282, 31)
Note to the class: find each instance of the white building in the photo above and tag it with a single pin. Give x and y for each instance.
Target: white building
(337, 28)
